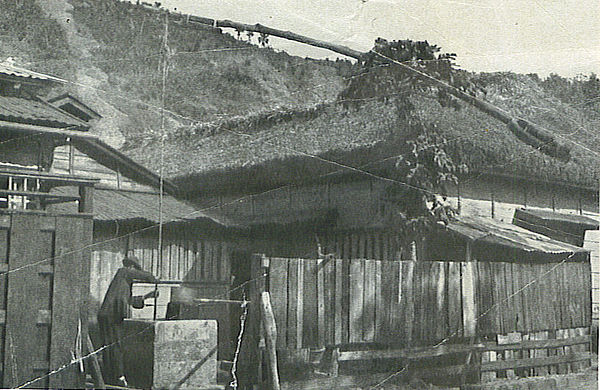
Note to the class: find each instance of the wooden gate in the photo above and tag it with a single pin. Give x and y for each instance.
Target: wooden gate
(44, 289)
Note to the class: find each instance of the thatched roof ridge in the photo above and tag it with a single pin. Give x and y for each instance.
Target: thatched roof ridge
(247, 123)
(279, 148)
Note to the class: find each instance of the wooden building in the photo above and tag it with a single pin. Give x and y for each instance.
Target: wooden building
(517, 299)
(44, 285)
(297, 175)
(301, 180)
(68, 239)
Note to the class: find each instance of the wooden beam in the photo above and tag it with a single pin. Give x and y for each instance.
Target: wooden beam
(86, 199)
(259, 28)
(35, 194)
(271, 339)
(408, 353)
(501, 365)
(54, 179)
(537, 344)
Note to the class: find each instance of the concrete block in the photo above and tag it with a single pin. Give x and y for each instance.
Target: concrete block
(159, 354)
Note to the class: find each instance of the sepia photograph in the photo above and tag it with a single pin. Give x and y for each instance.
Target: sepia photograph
(299, 195)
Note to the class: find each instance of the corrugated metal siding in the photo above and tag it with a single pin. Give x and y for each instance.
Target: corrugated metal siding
(20, 72)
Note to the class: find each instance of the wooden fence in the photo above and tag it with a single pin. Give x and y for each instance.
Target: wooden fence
(186, 257)
(326, 302)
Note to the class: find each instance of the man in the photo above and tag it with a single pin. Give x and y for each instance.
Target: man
(112, 312)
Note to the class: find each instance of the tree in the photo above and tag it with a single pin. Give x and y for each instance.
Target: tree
(378, 79)
(423, 164)
(425, 169)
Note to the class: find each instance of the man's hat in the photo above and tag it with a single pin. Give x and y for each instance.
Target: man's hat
(132, 261)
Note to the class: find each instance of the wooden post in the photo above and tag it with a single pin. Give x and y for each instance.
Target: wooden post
(524, 196)
(458, 196)
(86, 201)
(250, 357)
(271, 339)
(553, 203)
(493, 208)
(119, 179)
(468, 295)
(71, 158)
(96, 372)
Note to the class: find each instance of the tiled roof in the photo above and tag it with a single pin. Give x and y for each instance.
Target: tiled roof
(123, 205)
(36, 112)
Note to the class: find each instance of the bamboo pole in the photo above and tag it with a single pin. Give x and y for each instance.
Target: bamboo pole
(271, 339)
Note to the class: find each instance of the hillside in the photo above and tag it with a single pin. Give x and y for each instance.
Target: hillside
(112, 53)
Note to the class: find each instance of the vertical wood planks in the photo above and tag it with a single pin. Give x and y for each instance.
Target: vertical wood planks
(329, 291)
(333, 299)
(339, 292)
(524, 300)
(587, 286)
(468, 296)
(418, 309)
(356, 300)
(321, 302)
(346, 301)
(164, 261)
(497, 295)
(408, 270)
(369, 302)
(519, 280)
(384, 313)
(25, 244)
(309, 325)
(379, 305)
(70, 296)
(292, 304)
(300, 305)
(441, 306)
(454, 299)
(278, 277)
(507, 308)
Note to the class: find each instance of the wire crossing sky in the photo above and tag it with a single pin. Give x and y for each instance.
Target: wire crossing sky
(523, 36)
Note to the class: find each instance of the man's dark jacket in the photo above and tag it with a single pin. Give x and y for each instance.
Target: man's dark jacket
(118, 296)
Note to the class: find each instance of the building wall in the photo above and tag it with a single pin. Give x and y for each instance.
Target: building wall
(82, 165)
(359, 204)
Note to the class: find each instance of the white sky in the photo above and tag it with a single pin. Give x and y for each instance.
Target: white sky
(541, 36)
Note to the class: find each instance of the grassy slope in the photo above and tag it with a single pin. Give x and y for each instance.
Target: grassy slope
(211, 74)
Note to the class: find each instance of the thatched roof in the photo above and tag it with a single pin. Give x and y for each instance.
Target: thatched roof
(270, 150)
